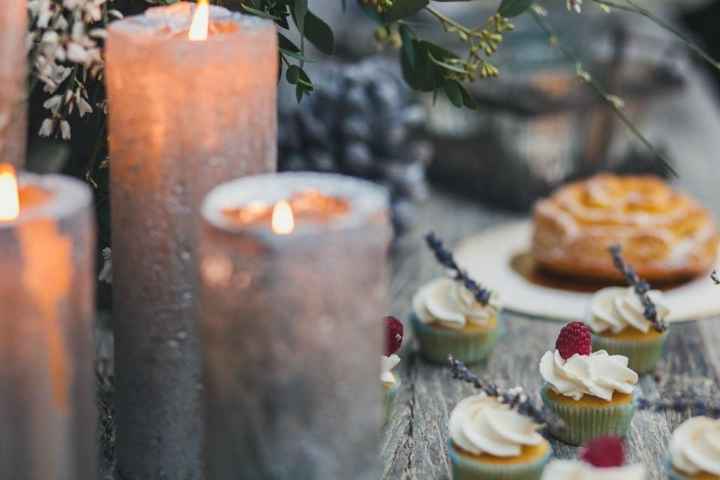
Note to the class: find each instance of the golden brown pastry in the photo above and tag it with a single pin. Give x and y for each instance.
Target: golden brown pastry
(666, 235)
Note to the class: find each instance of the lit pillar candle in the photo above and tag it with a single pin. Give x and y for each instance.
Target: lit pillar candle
(47, 369)
(293, 290)
(13, 93)
(188, 110)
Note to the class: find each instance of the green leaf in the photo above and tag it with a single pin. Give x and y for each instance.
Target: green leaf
(453, 91)
(408, 49)
(468, 100)
(513, 8)
(293, 74)
(403, 9)
(299, 13)
(319, 34)
(286, 44)
(421, 76)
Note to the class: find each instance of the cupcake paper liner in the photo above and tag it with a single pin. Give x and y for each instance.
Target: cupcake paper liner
(674, 474)
(584, 422)
(389, 395)
(643, 354)
(470, 348)
(465, 468)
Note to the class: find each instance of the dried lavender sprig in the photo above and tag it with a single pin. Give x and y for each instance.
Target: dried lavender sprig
(641, 288)
(446, 259)
(515, 398)
(701, 406)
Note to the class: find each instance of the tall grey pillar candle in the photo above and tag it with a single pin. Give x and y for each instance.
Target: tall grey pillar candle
(185, 115)
(292, 327)
(13, 72)
(47, 369)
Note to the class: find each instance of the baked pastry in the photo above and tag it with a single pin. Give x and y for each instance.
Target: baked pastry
(489, 441)
(666, 235)
(449, 320)
(592, 392)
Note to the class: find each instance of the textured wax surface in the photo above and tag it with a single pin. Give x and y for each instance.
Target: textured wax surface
(292, 338)
(47, 377)
(184, 116)
(13, 94)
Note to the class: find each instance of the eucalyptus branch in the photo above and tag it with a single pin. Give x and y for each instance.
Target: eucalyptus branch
(612, 101)
(631, 6)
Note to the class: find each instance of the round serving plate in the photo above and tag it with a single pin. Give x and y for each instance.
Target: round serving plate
(496, 258)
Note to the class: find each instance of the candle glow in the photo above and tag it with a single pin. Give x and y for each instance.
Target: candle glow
(9, 198)
(283, 220)
(201, 19)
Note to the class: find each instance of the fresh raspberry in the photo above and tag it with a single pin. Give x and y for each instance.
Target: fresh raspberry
(604, 452)
(574, 338)
(393, 335)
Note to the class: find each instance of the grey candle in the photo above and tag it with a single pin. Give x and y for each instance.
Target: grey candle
(291, 326)
(13, 72)
(47, 369)
(187, 112)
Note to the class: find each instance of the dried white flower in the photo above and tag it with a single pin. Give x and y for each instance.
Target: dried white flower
(574, 5)
(106, 272)
(65, 41)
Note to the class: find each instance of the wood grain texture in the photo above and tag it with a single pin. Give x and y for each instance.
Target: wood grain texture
(415, 441)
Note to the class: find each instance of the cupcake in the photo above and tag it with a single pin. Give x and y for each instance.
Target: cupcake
(695, 450)
(448, 320)
(601, 459)
(390, 383)
(491, 441)
(629, 321)
(592, 392)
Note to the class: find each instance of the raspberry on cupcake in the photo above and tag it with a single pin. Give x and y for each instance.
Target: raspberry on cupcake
(455, 315)
(600, 459)
(394, 332)
(629, 321)
(592, 392)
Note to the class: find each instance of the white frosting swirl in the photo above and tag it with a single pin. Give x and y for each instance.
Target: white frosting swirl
(450, 304)
(387, 364)
(617, 308)
(481, 424)
(597, 374)
(577, 470)
(695, 446)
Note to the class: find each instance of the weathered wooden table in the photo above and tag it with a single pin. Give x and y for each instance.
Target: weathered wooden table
(414, 445)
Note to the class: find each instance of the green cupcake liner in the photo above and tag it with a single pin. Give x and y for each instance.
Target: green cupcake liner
(466, 468)
(389, 395)
(643, 354)
(583, 423)
(470, 348)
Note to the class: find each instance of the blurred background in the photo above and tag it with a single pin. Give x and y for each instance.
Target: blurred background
(538, 125)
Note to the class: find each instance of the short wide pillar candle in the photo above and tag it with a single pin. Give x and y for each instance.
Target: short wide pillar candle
(13, 72)
(47, 362)
(185, 116)
(292, 326)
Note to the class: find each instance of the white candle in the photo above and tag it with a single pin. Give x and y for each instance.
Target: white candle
(187, 112)
(13, 70)
(47, 367)
(293, 291)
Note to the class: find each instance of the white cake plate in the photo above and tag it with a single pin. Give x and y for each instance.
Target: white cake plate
(488, 256)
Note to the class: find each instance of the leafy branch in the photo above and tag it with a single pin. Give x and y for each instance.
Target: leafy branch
(614, 102)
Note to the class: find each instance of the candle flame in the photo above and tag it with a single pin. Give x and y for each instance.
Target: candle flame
(201, 19)
(9, 198)
(283, 220)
